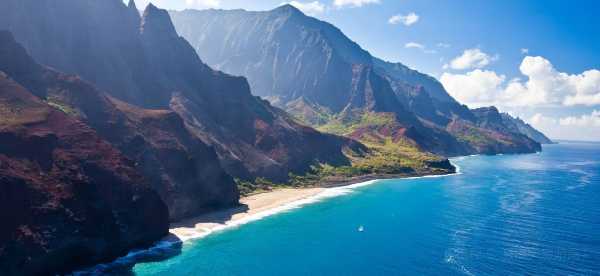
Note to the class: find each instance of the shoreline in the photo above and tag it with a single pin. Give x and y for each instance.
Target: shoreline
(253, 207)
(258, 206)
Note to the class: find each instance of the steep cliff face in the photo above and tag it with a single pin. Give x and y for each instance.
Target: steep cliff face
(490, 118)
(422, 94)
(185, 171)
(312, 70)
(489, 134)
(68, 197)
(400, 72)
(143, 61)
(101, 33)
(283, 53)
(256, 139)
(518, 125)
(304, 65)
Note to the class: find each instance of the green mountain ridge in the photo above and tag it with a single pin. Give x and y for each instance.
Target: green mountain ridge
(312, 70)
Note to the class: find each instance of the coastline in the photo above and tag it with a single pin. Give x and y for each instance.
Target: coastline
(255, 207)
(252, 208)
(261, 205)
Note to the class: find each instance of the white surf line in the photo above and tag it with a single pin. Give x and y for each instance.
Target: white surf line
(327, 193)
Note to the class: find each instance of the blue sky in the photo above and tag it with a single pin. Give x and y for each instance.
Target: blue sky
(478, 49)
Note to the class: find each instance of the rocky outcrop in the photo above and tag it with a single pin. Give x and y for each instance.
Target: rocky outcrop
(68, 197)
(180, 167)
(490, 118)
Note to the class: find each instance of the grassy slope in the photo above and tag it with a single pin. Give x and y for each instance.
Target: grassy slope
(389, 155)
(478, 137)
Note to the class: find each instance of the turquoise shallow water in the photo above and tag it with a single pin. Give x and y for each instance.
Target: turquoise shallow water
(504, 215)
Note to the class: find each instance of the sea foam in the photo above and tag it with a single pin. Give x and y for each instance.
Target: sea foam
(194, 235)
(327, 193)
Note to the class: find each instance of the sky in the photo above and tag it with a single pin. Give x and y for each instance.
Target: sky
(536, 59)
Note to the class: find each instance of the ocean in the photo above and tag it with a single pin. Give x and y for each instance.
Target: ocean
(536, 214)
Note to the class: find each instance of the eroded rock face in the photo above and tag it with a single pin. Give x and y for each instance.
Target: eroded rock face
(490, 134)
(68, 197)
(180, 167)
(312, 70)
(518, 125)
(143, 61)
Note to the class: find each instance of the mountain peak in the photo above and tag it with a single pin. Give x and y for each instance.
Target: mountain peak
(288, 9)
(15, 59)
(132, 5)
(150, 6)
(491, 109)
(157, 21)
(133, 9)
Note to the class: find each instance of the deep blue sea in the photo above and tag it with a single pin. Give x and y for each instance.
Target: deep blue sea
(536, 214)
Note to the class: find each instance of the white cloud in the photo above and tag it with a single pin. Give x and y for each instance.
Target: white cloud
(476, 88)
(310, 8)
(407, 20)
(585, 127)
(203, 3)
(591, 120)
(471, 59)
(541, 121)
(414, 45)
(524, 51)
(353, 3)
(552, 87)
(547, 125)
(587, 88)
(419, 46)
(544, 86)
(444, 45)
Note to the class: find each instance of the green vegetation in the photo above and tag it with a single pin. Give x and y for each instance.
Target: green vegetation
(401, 153)
(387, 155)
(348, 123)
(57, 104)
(477, 136)
(388, 158)
(17, 112)
(306, 113)
(259, 185)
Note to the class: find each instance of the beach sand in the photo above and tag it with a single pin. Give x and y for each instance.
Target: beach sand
(253, 207)
(261, 205)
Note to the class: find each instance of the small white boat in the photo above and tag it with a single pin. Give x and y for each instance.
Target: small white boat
(361, 228)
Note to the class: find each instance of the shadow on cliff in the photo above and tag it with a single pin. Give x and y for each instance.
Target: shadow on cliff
(215, 216)
(169, 247)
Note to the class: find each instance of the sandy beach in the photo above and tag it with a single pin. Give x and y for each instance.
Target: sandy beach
(253, 207)
(261, 205)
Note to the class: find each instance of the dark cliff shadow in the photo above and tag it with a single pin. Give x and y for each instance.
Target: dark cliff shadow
(167, 248)
(215, 216)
